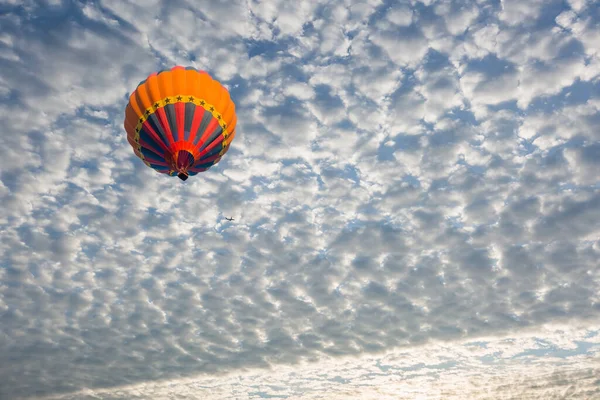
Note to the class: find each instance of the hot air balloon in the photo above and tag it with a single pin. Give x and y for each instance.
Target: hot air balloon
(180, 121)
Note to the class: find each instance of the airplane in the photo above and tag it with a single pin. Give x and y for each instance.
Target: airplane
(229, 219)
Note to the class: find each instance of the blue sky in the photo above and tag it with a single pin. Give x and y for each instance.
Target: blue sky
(415, 187)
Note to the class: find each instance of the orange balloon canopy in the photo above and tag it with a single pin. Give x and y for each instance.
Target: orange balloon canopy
(180, 121)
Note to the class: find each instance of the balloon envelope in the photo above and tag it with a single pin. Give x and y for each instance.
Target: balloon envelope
(180, 121)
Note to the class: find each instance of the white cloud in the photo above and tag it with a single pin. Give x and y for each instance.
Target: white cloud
(520, 12)
(405, 48)
(433, 371)
(457, 19)
(578, 5)
(400, 15)
(584, 163)
(563, 125)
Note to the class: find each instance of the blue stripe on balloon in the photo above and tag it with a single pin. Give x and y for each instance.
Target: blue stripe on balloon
(215, 134)
(217, 149)
(155, 124)
(148, 153)
(146, 137)
(206, 118)
(172, 120)
(159, 168)
(207, 165)
(190, 109)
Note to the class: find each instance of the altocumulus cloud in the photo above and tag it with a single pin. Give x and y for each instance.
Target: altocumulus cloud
(415, 186)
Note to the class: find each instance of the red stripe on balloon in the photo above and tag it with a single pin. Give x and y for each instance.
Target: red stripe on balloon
(180, 117)
(198, 114)
(209, 130)
(211, 146)
(164, 121)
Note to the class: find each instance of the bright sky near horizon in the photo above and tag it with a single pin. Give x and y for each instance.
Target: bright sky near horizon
(415, 186)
